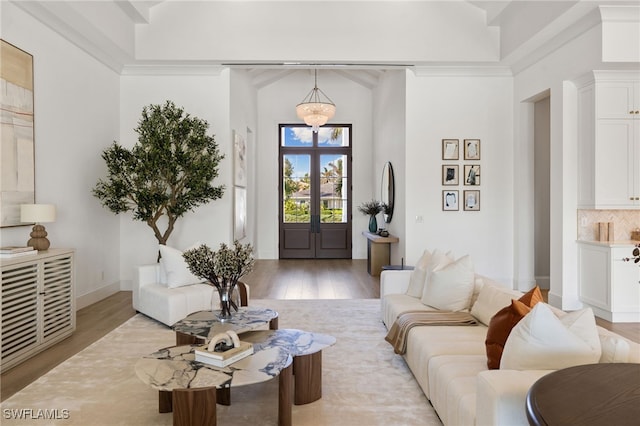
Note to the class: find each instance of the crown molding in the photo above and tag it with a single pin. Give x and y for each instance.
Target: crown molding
(478, 70)
(173, 68)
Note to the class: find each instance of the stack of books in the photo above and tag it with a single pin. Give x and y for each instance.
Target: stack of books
(16, 251)
(222, 359)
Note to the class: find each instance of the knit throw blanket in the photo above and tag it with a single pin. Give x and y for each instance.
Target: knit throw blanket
(397, 335)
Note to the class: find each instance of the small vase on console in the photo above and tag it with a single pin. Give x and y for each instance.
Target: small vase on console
(371, 208)
(373, 224)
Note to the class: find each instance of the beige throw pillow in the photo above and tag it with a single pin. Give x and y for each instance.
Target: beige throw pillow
(542, 341)
(449, 286)
(419, 275)
(490, 300)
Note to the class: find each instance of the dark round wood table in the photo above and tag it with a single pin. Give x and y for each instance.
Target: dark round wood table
(593, 394)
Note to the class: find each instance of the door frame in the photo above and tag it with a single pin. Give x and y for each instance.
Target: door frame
(319, 233)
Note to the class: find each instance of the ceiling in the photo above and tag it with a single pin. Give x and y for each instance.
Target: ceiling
(113, 31)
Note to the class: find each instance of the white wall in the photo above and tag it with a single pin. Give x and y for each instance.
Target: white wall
(541, 189)
(244, 121)
(553, 73)
(76, 117)
(201, 94)
(462, 106)
(389, 118)
(276, 104)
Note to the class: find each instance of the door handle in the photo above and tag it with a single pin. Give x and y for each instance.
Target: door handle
(315, 224)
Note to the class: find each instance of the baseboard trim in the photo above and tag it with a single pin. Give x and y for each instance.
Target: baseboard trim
(96, 295)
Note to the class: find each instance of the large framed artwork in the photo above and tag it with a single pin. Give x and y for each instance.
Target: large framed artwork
(239, 160)
(240, 221)
(17, 166)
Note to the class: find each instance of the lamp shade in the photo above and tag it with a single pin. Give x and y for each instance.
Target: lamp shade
(39, 213)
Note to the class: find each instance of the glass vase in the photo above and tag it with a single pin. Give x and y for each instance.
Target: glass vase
(225, 300)
(373, 224)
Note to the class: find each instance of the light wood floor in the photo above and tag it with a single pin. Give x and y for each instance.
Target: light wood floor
(271, 279)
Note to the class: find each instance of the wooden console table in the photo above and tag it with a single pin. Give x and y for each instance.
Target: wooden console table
(378, 252)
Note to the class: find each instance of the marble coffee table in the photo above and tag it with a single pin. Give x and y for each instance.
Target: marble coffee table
(306, 349)
(190, 386)
(200, 327)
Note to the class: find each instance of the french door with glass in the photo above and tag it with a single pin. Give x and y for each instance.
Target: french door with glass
(315, 192)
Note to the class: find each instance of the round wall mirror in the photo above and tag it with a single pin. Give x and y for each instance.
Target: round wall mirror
(387, 190)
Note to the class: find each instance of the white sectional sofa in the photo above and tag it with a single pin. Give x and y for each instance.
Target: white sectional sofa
(450, 362)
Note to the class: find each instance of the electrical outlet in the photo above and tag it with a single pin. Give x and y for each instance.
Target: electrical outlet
(419, 219)
(583, 221)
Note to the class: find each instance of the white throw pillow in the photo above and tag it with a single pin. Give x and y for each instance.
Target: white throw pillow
(542, 341)
(450, 287)
(490, 300)
(419, 275)
(175, 267)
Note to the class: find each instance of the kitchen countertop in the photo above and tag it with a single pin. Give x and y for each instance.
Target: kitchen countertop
(617, 243)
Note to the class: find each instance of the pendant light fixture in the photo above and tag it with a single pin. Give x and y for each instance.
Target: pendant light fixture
(313, 109)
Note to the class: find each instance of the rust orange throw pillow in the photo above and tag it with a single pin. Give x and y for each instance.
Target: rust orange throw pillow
(503, 321)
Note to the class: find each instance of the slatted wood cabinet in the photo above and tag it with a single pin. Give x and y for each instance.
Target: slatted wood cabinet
(38, 305)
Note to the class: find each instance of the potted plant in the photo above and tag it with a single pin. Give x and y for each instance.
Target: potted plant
(169, 172)
(371, 208)
(221, 269)
(636, 255)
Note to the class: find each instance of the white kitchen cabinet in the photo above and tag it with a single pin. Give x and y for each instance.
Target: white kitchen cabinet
(38, 306)
(609, 285)
(609, 140)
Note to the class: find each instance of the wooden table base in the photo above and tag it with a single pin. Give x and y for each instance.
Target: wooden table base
(307, 372)
(194, 407)
(197, 407)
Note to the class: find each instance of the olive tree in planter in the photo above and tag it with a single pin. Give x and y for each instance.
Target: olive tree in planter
(169, 172)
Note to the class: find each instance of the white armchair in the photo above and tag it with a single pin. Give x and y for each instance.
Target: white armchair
(152, 296)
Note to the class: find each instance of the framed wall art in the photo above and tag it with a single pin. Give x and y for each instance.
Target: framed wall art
(450, 174)
(472, 149)
(239, 160)
(17, 163)
(450, 200)
(471, 200)
(472, 174)
(240, 213)
(450, 149)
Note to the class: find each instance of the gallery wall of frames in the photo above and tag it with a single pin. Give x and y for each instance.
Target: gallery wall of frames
(462, 170)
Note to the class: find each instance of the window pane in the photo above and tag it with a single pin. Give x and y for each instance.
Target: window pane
(333, 136)
(296, 136)
(333, 178)
(296, 183)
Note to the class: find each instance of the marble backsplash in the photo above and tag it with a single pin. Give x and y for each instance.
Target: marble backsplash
(624, 222)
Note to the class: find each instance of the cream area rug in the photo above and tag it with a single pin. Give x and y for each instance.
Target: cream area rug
(364, 382)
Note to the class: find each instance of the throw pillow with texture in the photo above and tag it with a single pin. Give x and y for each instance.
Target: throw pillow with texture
(450, 287)
(419, 275)
(542, 341)
(438, 260)
(175, 267)
(502, 322)
(490, 300)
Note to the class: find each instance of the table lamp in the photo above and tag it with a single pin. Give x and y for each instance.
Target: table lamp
(38, 213)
